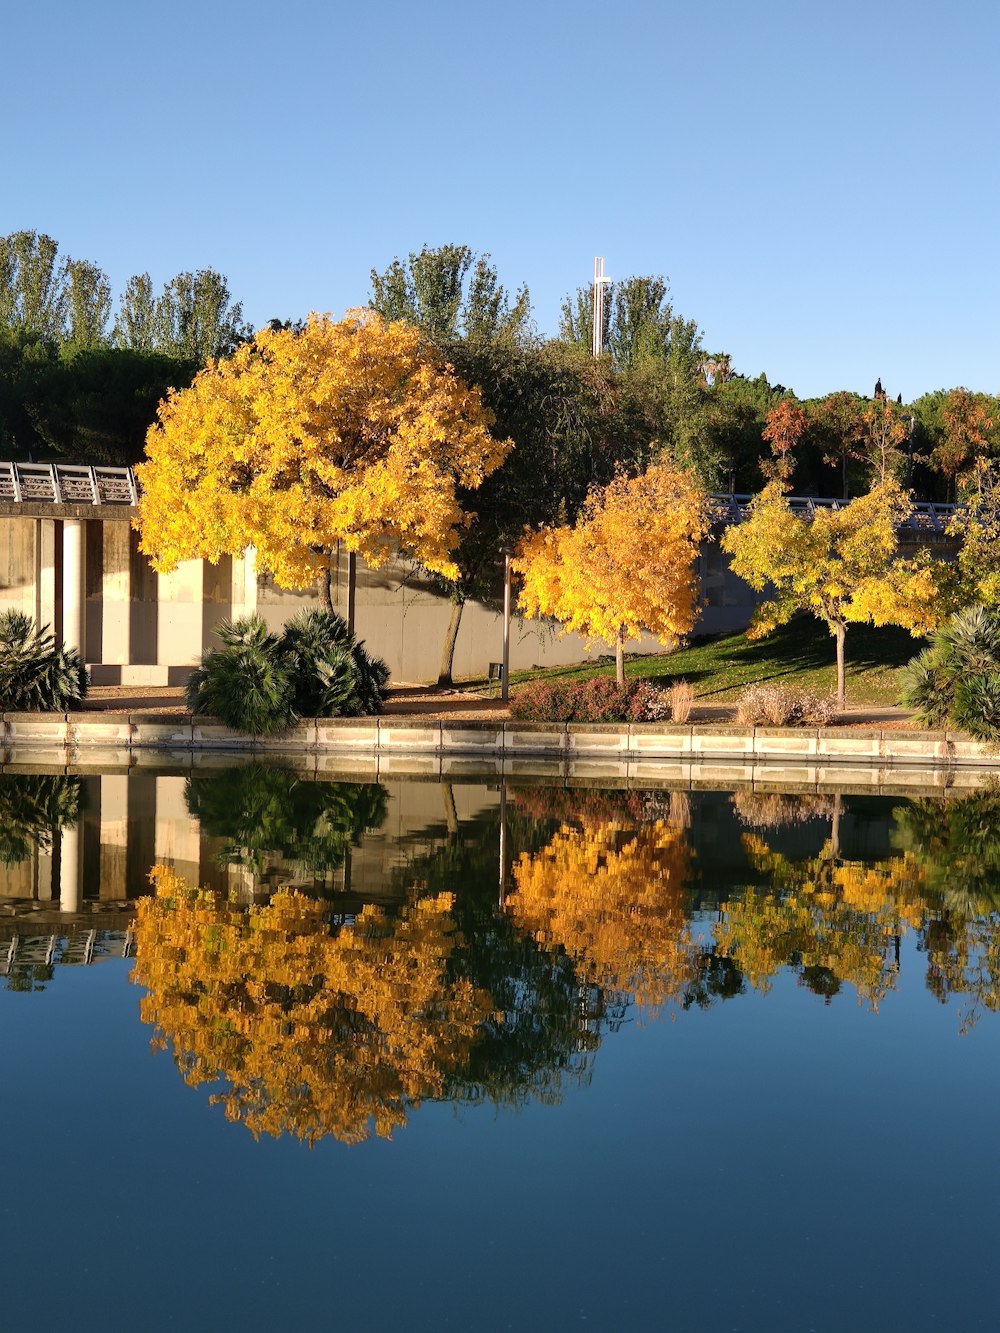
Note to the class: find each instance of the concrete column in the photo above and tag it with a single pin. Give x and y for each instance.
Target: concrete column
(45, 572)
(114, 835)
(250, 581)
(116, 594)
(177, 837)
(73, 534)
(45, 876)
(70, 867)
(180, 610)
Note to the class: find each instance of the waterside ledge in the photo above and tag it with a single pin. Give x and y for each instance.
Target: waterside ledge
(564, 743)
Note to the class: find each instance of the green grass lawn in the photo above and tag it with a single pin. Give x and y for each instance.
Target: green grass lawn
(800, 654)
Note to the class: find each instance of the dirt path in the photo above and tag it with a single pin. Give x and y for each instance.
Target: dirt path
(435, 704)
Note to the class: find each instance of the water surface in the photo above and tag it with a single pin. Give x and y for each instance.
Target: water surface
(381, 1056)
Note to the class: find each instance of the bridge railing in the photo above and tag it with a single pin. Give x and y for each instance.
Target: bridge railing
(78, 483)
(67, 483)
(927, 518)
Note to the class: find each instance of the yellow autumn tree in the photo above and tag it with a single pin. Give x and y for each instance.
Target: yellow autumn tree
(837, 921)
(344, 431)
(626, 565)
(613, 897)
(310, 1031)
(841, 565)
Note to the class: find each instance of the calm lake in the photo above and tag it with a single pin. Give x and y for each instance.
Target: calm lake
(283, 1054)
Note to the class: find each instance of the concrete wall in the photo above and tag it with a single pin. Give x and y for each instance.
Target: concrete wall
(144, 628)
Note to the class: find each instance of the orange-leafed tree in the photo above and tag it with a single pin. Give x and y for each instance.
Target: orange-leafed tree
(612, 896)
(626, 565)
(783, 429)
(310, 1031)
(967, 420)
(343, 431)
(842, 566)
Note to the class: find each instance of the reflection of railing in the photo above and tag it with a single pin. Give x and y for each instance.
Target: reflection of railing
(930, 520)
(67, 483)
(90, 946)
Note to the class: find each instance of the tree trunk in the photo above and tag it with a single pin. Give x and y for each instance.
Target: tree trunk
(620, 658)
(448, 650)
(450, 811)
(840, 631)
(323, 585)
(835, 829)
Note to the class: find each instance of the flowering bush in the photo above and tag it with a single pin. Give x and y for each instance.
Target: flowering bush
(598, 700)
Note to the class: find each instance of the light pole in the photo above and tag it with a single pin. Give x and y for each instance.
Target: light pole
(505, 666)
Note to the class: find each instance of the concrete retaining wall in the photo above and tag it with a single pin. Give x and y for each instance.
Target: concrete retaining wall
(527, 743)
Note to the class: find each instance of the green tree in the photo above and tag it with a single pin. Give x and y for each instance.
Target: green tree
(32, 290)
(87, 303)
(449, 292)
(135, 323)
(196, 318)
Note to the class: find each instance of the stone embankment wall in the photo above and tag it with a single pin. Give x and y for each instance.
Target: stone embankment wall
(366, 747)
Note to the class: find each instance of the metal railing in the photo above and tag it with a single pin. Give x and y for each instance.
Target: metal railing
(67, 483)
(77, 483)
(925, 517)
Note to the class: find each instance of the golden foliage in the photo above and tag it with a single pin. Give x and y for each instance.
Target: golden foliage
(841, 566)
(345, 431)
(626, 565)
(830, 916)
(976, 572)
(612, 896)
(311, 1033)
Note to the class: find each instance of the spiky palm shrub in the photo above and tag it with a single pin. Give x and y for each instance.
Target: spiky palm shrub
(37, 674)
(977, 704)
(265, 810)
(245, 683)
(372, 679)
(928, 685)
(334, 676)
(957, 678)
(259, 684)
(33, 808)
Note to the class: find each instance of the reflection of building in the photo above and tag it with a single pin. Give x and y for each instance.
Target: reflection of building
(130, 821)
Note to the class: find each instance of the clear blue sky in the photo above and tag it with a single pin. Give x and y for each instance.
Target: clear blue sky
(819, 182)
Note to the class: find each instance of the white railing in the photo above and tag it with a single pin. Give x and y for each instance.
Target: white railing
(67, 483)
(925, 517)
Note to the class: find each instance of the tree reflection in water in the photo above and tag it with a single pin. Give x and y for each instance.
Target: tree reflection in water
(611, 895)
(315, 1024)
(34, 808)
(265, 811)
(312, 1027)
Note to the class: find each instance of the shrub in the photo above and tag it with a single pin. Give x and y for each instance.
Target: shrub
(957, 678)
(245, 683)
(258, 683)
(333, 675)
(927, 685)
(600, 699)
(681, 699)
(782, 706)
(977, 704)
(36, 674)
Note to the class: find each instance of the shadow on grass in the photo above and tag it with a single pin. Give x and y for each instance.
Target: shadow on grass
(721, 665)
